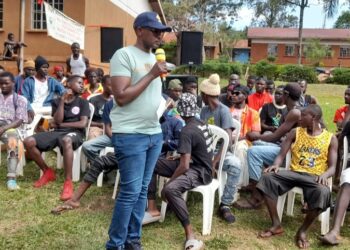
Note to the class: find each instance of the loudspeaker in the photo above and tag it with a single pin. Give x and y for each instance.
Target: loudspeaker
(191, 47)
(111, 41)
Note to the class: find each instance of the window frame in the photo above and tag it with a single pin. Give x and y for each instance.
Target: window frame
(286, 48)
(342, 48)
(1, 14)
(39, 23)
(270, 47)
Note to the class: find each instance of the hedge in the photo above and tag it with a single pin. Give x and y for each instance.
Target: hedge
(340, 76)
(293, 73)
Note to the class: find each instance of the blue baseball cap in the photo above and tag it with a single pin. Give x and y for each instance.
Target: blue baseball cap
(151, 20)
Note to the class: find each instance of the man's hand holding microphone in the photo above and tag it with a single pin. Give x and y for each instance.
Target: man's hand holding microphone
(159, 68)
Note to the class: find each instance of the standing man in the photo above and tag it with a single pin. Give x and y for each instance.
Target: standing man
(137, 135)
(76, 63)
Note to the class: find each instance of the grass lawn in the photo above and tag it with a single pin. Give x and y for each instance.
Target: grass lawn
(26, 222)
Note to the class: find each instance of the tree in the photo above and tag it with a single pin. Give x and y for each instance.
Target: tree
(343, 21)
(315, 51)
(273, 13)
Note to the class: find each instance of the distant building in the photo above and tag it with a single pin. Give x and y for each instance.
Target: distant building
(111, 17)
(241, 51)
(282, 43)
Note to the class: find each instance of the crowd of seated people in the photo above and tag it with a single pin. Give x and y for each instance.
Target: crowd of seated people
(273, 119)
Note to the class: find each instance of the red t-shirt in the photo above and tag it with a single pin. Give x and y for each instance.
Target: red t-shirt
(340, 114)
(257, 100)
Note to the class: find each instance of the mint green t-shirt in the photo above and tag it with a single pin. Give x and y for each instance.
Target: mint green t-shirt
(140, 115)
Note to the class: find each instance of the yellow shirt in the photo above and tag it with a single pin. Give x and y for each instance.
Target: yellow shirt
(310, 153)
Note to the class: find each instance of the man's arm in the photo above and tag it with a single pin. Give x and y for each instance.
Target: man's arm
(291, 119)
(285, 146)
(68, 66)
(184, 165)
(14, 124)
(108, 130)
(80, 124)
(332, 161)
(87, 63)
(125, 93)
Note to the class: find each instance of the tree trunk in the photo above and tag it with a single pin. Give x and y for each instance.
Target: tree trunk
(303, 4)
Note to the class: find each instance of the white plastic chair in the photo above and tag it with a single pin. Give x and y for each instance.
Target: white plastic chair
(208, 191)
(237, 126)
(346, 155)
(77, 152)
(323, 217)
(100, 177)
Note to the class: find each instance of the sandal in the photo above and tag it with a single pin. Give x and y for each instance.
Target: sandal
(61, 208)
(194, 244)
(269, 233)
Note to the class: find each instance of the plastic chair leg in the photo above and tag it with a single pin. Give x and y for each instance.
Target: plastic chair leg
(290, 203)
(163, 211)
(208, 208)
(100, 180)
(280, 205)
(116, 185)
(325, 221)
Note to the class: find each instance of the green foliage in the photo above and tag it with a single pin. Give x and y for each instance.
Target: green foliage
(212, 66)
(340, 76)
(343, 21)
(170, 51)
(271, 59)
(265, 69)
(293, 73)
(315, 51)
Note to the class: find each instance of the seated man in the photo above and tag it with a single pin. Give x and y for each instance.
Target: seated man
(99, 101)
(215, 113)
(194, 147)
(41, 89)
(101, 164)
(13, 112)
(342, 204)
(273, 114)
(28, 70)
(267, 145)
(232, 81)
(305, 99)
(92, 87)
(174, 89)
(251, 83)
(260, 97)
(190, 85)
(11, 47)
(270, 87)
(70, 117)
(314, 155)
(342, 114)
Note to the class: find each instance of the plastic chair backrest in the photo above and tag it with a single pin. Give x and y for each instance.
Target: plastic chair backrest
(237, 131)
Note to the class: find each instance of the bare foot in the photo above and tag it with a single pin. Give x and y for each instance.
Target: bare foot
(153, 213)
(331, 238)
(273, 231)
(301, 241)
(74, 204)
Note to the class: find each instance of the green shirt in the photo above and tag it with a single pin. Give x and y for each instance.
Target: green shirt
(140, 115)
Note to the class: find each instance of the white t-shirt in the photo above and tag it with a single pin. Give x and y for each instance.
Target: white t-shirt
(77, 66)
(41, 91)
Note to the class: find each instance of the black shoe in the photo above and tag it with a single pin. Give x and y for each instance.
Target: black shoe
(225, 213)
(133, 245)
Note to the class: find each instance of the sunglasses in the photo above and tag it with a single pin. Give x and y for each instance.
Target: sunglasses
(154, 31)
(235, 92)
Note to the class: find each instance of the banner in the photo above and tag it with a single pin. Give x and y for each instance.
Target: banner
(62, 27)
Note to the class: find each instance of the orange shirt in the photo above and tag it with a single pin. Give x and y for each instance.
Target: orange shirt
(250, 121)
(257, 100)
(340, 114)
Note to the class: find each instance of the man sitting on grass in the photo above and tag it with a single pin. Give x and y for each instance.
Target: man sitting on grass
(70, 117)
(314, 155)
(195, 147)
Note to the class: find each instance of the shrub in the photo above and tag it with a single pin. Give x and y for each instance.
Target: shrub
(341, 76)
(293, 73)
(265, 69)
(170, 51)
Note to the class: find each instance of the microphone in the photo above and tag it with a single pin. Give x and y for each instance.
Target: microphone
(160, 56)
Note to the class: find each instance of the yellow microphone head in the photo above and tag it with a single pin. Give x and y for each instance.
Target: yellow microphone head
(160, 54)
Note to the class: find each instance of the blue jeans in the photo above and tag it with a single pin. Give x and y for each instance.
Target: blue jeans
(261, 155)
(137, 155)
(232, 167)
(92, 148)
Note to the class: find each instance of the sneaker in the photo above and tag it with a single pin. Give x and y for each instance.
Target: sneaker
(133, 245)
(49, 175)
(12, 185)
(67, 191)
(225, 213)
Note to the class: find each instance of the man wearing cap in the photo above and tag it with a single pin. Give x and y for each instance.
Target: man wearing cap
(174, 89)
(41, 89)
(215, 113)
(250, 122)
(28, 70)
(137, 135)
(194, 168)
(265, 153)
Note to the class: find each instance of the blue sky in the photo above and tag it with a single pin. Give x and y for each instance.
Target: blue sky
(313, 16)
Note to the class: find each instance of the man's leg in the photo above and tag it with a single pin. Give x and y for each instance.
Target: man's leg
(232, 167)
(12, 142)
(173, 191)
(164, 168)
(92, 148)
(134, 152)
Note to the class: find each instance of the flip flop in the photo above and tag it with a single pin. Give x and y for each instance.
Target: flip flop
(327, 241)
(148, 218)
(61, 208)
(269, 233)
(194, 244)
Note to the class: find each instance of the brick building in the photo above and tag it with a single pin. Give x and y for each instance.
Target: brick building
(282, 43)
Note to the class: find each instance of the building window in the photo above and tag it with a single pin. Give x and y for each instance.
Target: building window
(272, 50)
(1, 14)
(289, 50)
(345, 51)
(38, 13)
